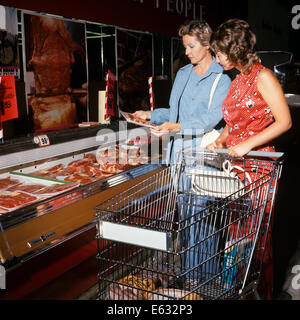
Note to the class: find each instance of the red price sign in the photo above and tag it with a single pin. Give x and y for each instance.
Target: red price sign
(42, 140)
(8, 99)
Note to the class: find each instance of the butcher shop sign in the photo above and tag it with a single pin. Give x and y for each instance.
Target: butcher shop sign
(187, 8)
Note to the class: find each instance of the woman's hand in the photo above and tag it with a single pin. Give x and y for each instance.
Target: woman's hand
(236, 151)
(212, 147)
(240, 149)
(168, 126)
(144, 115)
(220, 143)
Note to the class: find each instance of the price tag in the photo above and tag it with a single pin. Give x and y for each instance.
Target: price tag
(42, 140)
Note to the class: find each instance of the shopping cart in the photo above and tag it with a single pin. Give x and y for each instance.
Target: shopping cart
(195, 230)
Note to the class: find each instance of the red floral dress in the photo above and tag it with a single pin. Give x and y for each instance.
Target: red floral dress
(244, 109)
(246, 114)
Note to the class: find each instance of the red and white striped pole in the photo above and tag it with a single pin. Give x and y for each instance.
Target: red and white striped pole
(1, 126)
(150, 79)
(1, 131)
(106, 96)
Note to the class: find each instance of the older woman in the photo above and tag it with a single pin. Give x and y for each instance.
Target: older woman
(197, 94)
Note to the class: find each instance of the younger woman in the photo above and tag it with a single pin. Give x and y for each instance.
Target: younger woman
(255, 109)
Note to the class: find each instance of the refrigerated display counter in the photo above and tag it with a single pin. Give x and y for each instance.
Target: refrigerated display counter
(52, 182)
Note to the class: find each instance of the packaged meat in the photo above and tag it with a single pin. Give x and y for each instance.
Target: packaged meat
(56, 188)
(65, 172)
(111, 168)
(43, 173)
(129, 117)
(110, 154)
(14, 199)
(80, 178)
(29, 188)
(40, 186)
(131, 287)
(107, 160)
(56, 168)
(92, 170)
(90, 156)
(135, 161)
(8, 182)
(79, 165)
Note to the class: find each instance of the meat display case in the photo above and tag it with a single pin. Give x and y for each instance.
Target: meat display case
(46, 223)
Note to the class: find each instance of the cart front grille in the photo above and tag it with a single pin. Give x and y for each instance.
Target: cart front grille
(163, 239)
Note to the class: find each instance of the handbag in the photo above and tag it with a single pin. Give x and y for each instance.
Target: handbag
(218, 184)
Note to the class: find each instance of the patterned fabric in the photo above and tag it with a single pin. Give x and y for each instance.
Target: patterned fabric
(246, 112)
(244, 109)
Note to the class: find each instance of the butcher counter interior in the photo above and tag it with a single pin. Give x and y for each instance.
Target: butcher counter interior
(49, 193)
(66, 149)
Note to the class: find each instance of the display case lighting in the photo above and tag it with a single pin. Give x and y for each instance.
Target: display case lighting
(94, 35)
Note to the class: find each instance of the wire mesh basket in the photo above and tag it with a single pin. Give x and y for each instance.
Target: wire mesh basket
(144, 214)
(167, 239)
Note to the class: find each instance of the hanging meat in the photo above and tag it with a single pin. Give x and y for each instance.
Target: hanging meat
(52, 57)
(52, 111)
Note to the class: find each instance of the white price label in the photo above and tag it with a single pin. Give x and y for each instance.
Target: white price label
(42, 140)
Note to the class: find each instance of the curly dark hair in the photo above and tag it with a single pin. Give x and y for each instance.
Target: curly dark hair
(197, 28)
(236, 40)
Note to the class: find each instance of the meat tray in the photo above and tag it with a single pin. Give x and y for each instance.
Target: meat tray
(24, 232)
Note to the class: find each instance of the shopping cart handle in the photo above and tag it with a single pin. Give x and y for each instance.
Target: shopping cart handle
(256, 153)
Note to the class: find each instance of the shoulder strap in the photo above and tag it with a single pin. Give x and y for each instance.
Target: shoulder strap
(213, 88)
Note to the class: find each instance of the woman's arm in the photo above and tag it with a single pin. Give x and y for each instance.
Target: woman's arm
(272, 93)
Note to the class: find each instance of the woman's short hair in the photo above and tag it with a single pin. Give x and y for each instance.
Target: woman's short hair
(197, 28)
(236, 40)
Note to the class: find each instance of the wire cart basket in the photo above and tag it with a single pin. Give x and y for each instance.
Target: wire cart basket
(196, 230)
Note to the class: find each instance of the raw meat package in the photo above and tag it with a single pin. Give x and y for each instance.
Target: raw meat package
(8, 182)
(11, 200)
(40, 186)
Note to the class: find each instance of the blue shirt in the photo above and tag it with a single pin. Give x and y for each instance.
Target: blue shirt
(188, 95)
(189, 103)
(193, 110)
